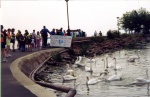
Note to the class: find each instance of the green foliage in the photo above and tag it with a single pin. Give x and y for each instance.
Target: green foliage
(110, 35)
(113, 34)
(57, 57)
(125, 35)
(97, 39)
(132, 21)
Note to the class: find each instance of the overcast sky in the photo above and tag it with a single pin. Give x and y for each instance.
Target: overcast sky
(87, 15)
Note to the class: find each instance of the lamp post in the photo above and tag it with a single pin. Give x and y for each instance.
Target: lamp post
(118, 23)
(67, 15)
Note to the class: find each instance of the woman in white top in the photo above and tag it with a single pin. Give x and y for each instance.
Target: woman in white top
(38, 40)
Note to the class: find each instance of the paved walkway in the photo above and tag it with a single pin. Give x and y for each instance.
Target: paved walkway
(10, 86)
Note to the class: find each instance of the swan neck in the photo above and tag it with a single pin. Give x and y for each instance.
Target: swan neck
(115, 63)
(106, 62)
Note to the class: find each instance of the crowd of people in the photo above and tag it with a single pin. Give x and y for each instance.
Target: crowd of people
(27, 41)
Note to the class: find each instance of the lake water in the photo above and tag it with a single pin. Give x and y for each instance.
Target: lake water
(130, 71)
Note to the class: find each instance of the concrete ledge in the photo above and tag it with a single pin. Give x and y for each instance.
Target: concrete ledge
(23, 66)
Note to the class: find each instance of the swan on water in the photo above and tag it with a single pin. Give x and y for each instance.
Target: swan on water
(129, 59)
(79, 61)
(109, 65)
(117, 67)
(115, 77)
(141, 81)
(105, 72)
(92, 81)
(69, 77)
(69, 71)
(89, 69)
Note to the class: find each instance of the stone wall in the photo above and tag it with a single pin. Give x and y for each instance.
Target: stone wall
(30, 62)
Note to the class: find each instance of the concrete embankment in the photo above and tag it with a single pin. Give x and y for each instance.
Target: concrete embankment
(23, 66)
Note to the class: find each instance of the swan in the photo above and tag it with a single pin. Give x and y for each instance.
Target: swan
(69, 77)
(69, 71)
(115, 77)
(109, 65)
(79, 61)
(92, 81)
(130, 59)
(105, 72)
(89, 69)
(116, 67)
(141, 81)
(91, 60)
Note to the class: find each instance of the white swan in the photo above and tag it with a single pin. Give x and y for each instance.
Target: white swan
(91, 60)
(130, 59)
(115, 77)
(117, 67)
(109, 65)
(92, 81)
(105, 72)
(79, 58)
(69, 77)
(79, 61)
(89, 69)
(69, 71)
(141, 81)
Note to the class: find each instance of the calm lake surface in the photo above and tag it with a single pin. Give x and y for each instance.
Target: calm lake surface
(129, 71)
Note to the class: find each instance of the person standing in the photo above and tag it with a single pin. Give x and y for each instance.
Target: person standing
(100, 33)
(44, 32)
(8, 43)
(18, 35)
(53, 32)
(34, 36)
(95, 33)
(38, 40)
(12, 40)
(3, 45)
(22, 43)
(27, 40)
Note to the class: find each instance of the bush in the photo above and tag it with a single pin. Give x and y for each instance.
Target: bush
(110, 35)
(97, 39)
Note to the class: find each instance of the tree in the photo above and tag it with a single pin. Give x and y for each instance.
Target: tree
(135, 20)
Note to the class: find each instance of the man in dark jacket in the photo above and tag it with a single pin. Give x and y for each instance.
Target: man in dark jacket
(44, 32)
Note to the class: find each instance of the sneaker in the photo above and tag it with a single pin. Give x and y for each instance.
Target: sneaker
(4, 60)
